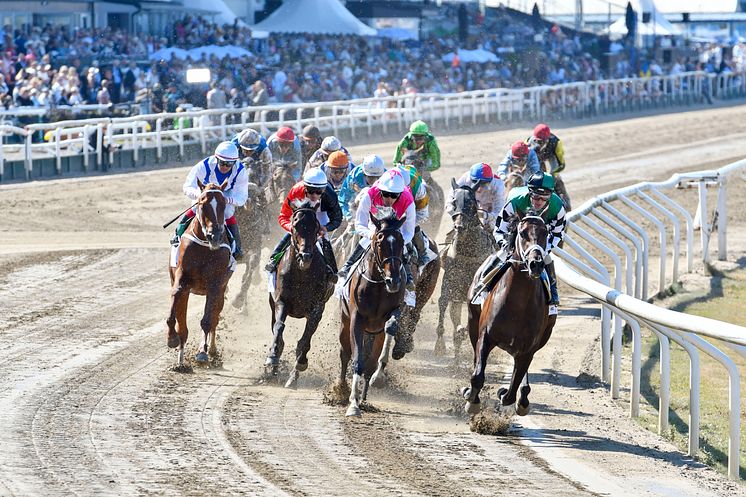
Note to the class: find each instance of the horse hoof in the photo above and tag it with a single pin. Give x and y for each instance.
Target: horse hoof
(377, 378)
(270, 370)
(272, 361)
(292, 382)
(397, 354)
(465, 392)
(301, 366)
(473, 407)
(501, 392)
(521, 410)
(173, 341)
(201, 357)
(353, 411)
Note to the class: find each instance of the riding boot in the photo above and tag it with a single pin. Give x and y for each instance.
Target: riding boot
(554, 299)
(233, 228)
(181, 228)
(419, 243)
(407, 263)
(274, 259)
(331, 263)
(354, 257)
(483, 285)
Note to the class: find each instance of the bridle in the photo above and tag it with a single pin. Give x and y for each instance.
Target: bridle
(379, 263)
(198, 215)
(293, 242)
(524, 253)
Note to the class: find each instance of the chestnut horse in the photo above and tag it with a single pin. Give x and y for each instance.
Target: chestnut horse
(301, 290)
(204, 256)
(514, 317)
(372, 310)
(471, 244)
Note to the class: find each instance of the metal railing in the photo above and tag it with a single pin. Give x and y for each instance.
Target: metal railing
(616, 224)
(356, 117)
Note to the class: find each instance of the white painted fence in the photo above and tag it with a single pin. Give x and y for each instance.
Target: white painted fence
(616, 225)
(357, 117)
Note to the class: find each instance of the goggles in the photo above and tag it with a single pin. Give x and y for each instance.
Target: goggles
(541, 195)
(314, 191)
(226, 163)
(390, 195)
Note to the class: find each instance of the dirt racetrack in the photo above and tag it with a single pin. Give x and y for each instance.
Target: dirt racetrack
(90, 405)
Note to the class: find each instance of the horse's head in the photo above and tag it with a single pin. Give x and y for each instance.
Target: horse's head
(465, 207)
(530, 242)
(280, 183)
(305, 232)
(211, 212)
(388, 247)
(414, 158)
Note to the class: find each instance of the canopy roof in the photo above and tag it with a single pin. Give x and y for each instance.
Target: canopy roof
(318, 17)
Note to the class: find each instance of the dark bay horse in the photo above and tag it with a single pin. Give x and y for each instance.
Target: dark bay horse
(202, 269)
(278, 186)
(470, 245)
(425, 283)
(436, 204)
(514, 317)
(253, 224)
(376, 290)
(301, 290)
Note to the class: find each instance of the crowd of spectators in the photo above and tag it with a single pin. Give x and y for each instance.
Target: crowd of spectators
(41, 66)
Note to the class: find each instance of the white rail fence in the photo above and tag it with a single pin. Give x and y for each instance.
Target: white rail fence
(628, 226)
(101, 136)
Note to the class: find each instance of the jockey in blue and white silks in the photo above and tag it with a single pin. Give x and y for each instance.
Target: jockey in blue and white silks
(361, 176)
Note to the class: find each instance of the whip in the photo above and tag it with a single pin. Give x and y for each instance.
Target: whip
(178, 215)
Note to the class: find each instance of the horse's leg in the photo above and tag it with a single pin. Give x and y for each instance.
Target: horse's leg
(279, 313)
(345, 350)
(390, 329)
(213, 350)
(304, 345)
(213, 305)
(177, 320)
(239, 302)
(440, 343)
(471, 394)
(521, 408)
(459, 332)
(520, 370)
(358, 364)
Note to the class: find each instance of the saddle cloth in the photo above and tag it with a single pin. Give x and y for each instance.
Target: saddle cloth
(479, 299)
(272, 277)
(431, 256)
(174, 258)
(342, 288)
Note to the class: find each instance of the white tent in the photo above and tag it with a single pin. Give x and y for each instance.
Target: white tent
(169, 53)
(319, 17)
(658, 24)
(479, 55)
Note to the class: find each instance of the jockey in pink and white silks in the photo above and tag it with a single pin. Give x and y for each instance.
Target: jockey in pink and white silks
(390, 191)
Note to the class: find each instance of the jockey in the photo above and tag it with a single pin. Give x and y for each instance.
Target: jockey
(551, 154)
(336, 168)
(537, 198)
(420, 138)
(285, 149)
(418, 188)
(329, 145)
(522, 157)
(488, 190)
(310, 142)
(218, 168)
(254, 155)
(389, 191)
(360, 177)
(313, 187)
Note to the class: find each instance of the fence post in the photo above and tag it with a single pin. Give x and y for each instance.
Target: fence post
(99, 144)
(158, 138)
(722, 211)
(86, 158)
(29, 163)
(57, 150)
(202, 137)
(704, 223)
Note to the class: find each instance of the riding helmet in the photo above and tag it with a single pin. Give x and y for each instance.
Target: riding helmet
(338, 160)
(285, 134)
(373, 166)
(519, 149)
(481, 171)
(419, 128)
(391, 181)
(541, 183)
(226, 151)
(314, 178)
(541, 132)
(331, 144)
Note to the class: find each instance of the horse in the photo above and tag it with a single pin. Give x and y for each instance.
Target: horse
(279, 184)
(470, 244)
(514, 316)
(436, 205)
(253, 224)
(516, 177)
(372, 310)
(301, 290)
(204, 257)
(425, 283)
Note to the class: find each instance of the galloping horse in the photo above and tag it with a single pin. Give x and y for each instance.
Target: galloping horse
(280, 183)
(471, 245)
(437, 197)
(372, 310)
(253, 224)
(301, 290)
(425, 284)
(202, 269)
(515, 178)
(514, 317)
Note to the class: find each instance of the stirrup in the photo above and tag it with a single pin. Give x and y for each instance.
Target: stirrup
(174, 241)
(271, 267)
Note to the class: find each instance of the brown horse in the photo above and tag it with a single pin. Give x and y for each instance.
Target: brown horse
(471, 244)
(278, 186)
(202, 269)
(372, 310)
(514, 317)
(301, 290)
(253, 224)
(516, 177)
(425, 284)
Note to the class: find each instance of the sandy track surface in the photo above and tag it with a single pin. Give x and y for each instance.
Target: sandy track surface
(90, 404)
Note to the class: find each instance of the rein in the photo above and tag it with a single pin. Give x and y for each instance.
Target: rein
(380, 262)
(293, 242)
(523, 253)
(192, 236)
